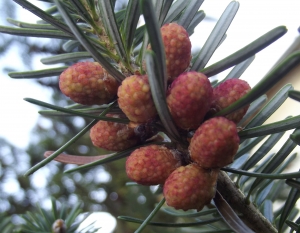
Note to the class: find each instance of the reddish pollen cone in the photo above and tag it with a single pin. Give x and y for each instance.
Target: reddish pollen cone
(177, 48)
(88, 83)
(189, 98)
(190, 187)
(151, 165)
(227, 93)
(214, 143)
(135, 99)
(113, 136)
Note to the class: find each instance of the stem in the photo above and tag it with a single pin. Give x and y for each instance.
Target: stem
(236, 199)
(151, 215)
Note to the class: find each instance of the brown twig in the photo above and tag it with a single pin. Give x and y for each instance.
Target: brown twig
(76, 159)
(236, 199)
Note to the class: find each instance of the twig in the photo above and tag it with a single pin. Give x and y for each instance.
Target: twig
(236, 199)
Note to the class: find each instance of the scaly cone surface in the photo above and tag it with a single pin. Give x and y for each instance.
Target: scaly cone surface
(151, 165)
(177, 48)
(189, 98)
(227, 93)
(190, 187)
(214, 143)
(113, 136)
(88, 83)
(135, 99)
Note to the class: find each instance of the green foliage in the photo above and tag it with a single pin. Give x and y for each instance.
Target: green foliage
(5, 224)
(93, 29)
(59, 219)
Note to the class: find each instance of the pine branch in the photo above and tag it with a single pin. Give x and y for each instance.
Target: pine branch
(236, 199)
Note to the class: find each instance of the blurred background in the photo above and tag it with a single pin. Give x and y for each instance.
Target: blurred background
(25, 136)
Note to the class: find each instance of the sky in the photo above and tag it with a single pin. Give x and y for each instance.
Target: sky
(253, 19)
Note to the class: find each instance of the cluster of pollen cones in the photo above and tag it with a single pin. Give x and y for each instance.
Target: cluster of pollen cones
(188, 172)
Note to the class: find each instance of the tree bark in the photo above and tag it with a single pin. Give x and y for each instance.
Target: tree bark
(251, 216)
